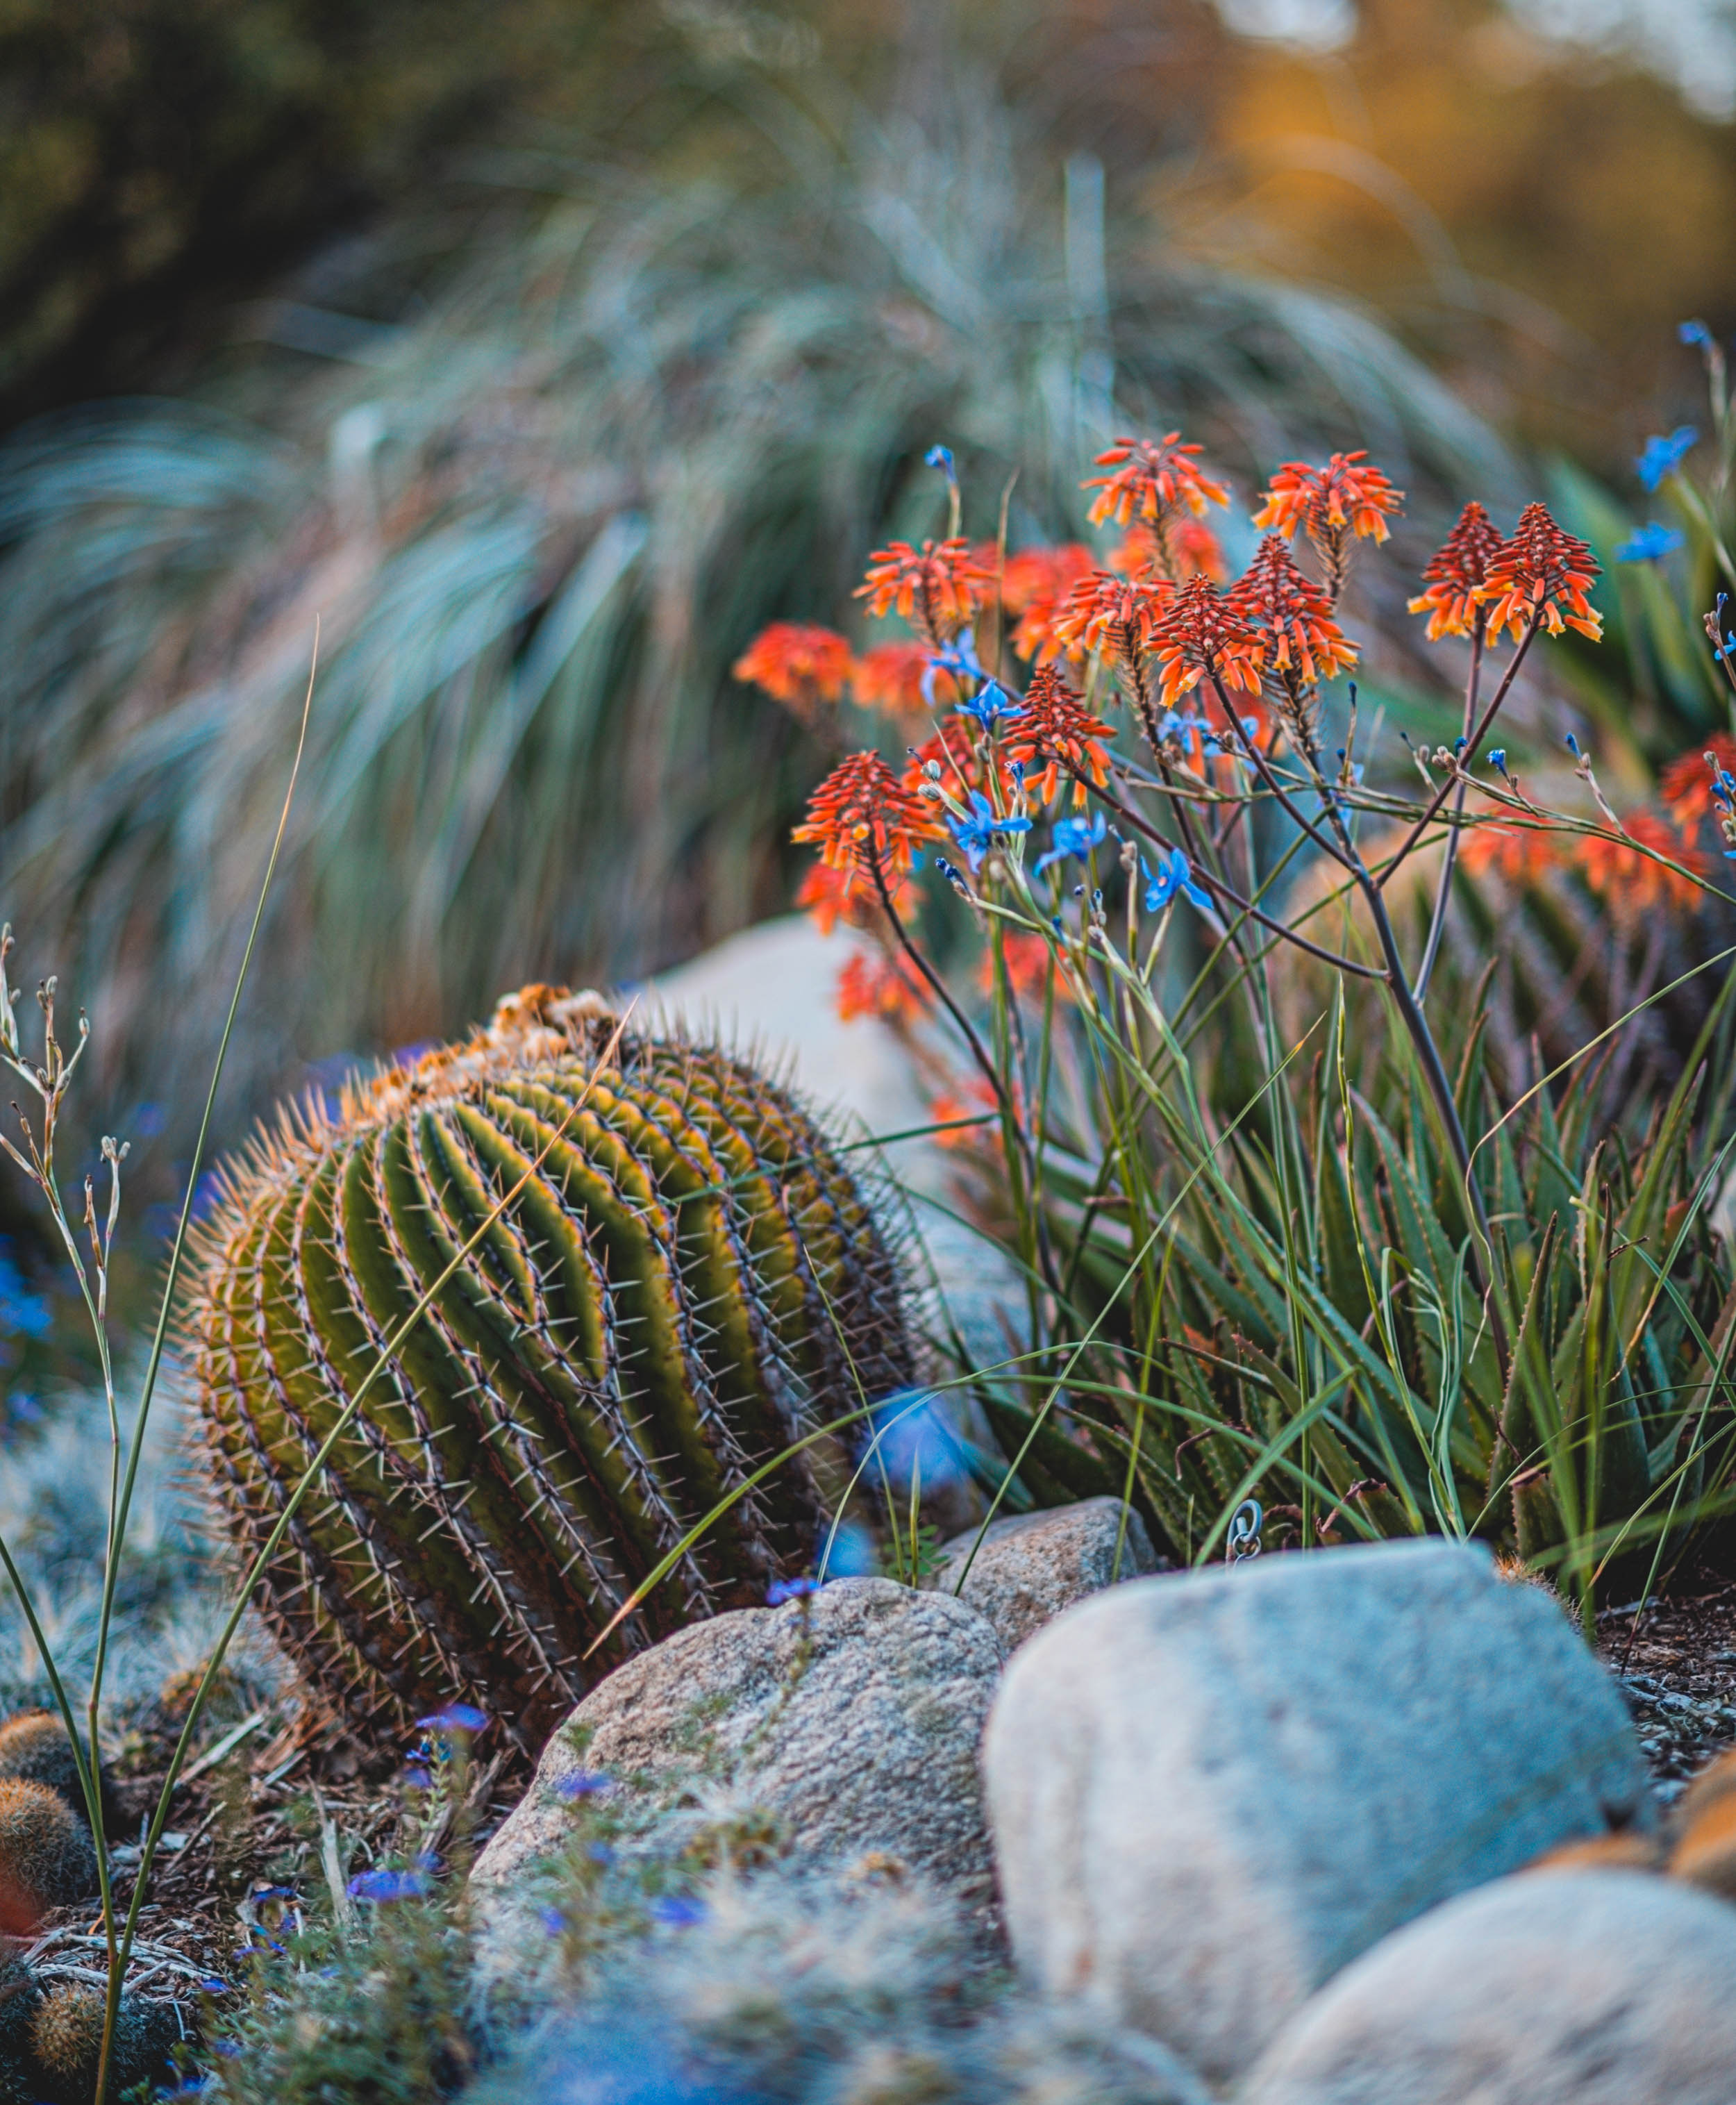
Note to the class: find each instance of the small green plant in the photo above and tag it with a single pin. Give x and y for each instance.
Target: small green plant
(1289, 1234)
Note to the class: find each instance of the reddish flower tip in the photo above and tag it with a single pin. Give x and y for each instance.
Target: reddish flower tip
(1153, 479)
(796, 663)
(1456, 572)
(1326, 502)
(1540, 569)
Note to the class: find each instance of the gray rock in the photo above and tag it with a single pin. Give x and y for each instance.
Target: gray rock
(1024, 1569)
(852, 1718)
(1209, 1792)
(1594, 1988)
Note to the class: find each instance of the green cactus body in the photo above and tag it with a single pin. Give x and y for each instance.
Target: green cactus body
(685, 1279)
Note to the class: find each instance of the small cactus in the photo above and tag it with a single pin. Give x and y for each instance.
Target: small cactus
(65, 2042)
(35, 1746)
(685, 1281)
(20, 1993)
(47, 1858)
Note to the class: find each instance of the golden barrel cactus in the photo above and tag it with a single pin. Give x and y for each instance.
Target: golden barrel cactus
(681, 1278)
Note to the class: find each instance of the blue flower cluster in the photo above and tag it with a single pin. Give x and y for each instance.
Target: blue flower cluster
(1649, 542)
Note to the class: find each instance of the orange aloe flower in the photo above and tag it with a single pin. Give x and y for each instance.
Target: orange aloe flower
(1541, 568)
(1034, 587)
(1686, 784)
(890, 677)
(1201, 631)
(1456, 573)
(866, 824)
(936, 588)
(1518, 855)
(829, 896)
(1631, 882)
(1152, 480)
(1292, 614)
(1113, 615)
(1027, 967)
(1325, 501)
(876, 986)
(1188, 547)
(1057, 731)
(795, 664)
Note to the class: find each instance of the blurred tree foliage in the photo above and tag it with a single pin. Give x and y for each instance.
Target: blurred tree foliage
(1537, 217)
(159, 158)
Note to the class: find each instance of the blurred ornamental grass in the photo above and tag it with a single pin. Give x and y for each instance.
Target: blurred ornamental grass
(651, 413)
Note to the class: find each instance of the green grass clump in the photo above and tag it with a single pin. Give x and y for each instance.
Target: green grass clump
(46, 1855)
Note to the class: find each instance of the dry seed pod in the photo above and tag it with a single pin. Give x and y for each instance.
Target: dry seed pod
(685, 1279)
(1705, 1852)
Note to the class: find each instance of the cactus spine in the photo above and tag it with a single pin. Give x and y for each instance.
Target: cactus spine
(47, 1857)
(686, 1280)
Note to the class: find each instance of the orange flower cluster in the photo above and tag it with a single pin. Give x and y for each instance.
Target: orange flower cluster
(1027, 968)
(1057, 731)
(1188, 548)
(1152, 480)
(1115, 614)
(1201, 631)
(865, 822)
(877, 986)
(1515, 854)
(1632, 882)
(936, 588)
(1686, 784)
(890, 677)
(1455, 574)
(797, 664)
(830, 895)
(1033, 587)
(1292, 615)
(1540, 569)
(1325, 501)
(947, 1109)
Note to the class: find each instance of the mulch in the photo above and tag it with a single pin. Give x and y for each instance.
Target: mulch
(278, 1808)
(1675, 1661)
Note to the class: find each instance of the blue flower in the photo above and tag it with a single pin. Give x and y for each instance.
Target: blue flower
(916, 1435)
(941, 457)
(781, 1590)
(384, 1885)
(1695, 332)
(552, 1920)
(454, 1717)
(584, 1783)
(213, 1984)
(1649, 542)
(1663, 456)
(21, 1308)
(957, 659)
(1174, 874)
(989, 704)
(1498, 758)
(978, 833)
(679, 1912)
(1073, 837)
